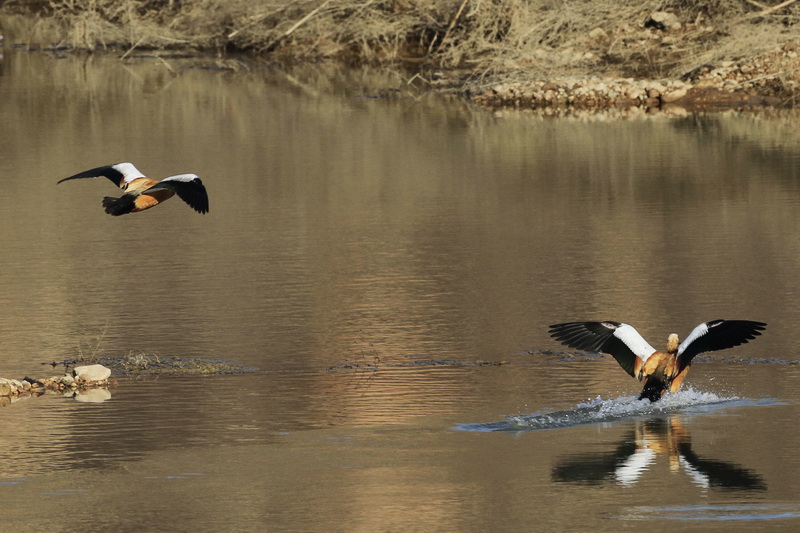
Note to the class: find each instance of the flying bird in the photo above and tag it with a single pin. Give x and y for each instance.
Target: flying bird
(143, 193)
(661, 371)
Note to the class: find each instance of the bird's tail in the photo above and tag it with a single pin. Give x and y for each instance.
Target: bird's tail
(653, 389)
(119, 206)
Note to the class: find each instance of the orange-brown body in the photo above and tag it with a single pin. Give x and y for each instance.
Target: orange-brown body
(147, 200)
(663, 366)
(661, 371)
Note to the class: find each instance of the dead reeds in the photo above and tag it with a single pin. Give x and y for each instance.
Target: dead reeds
(487, 37)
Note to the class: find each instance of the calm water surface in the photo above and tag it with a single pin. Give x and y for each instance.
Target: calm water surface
(369, 249)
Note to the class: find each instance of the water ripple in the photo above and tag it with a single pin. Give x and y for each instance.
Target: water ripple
(714, 512)
(600, 410)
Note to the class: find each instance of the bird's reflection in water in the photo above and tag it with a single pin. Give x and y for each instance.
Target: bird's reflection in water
(640, 449)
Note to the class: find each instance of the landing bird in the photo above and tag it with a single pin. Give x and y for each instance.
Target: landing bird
(143, 193)
(661, 371)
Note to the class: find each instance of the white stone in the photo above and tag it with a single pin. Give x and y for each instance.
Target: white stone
(6, 387)
(674, 95)
(91, 372)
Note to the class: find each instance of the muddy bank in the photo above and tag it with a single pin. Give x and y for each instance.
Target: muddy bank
(508, 53)
(747, 82)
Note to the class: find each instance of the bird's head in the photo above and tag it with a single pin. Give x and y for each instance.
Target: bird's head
(672, 343)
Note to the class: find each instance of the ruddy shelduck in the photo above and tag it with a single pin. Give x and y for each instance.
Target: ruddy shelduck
(142, 192)
(661, 371)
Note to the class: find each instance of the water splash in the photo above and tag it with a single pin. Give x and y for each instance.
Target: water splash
(706, 513)
(600, 410)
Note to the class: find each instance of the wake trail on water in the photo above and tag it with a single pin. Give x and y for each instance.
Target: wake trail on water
(600, 410)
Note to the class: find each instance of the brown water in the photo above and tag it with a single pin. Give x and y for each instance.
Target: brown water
(366, 254)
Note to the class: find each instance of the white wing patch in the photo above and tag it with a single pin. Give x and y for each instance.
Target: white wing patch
(698, 477)
(696, 333)
(128, 171)
(631, 470)
(628, 334)
(182, 177)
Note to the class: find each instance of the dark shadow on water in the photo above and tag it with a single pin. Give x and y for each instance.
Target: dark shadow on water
(652, 440)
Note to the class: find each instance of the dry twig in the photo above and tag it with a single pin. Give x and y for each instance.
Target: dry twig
(297, 25)
(453, 23)
(770, 10)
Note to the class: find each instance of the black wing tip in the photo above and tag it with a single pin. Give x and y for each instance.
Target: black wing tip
(199, 204)
(85, 174)
(753, 323)
(583, 335)
(751, 328)
(583, 324)
(193, 192)
(721, 335)
(755, 327)
(595, 337)
(564, 327)
(106, 171)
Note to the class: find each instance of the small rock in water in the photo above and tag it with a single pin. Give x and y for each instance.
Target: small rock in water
(91, 372)
(5, 387)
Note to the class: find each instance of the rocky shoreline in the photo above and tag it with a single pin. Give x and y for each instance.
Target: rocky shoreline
(595, 93)
(747, 83)
(82, 378)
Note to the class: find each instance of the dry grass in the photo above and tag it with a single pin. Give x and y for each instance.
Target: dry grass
(488, 37)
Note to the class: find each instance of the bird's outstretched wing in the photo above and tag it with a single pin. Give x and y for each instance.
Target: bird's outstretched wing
(615, 338)
(118, 173)
(717, 335)
(188, 187)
